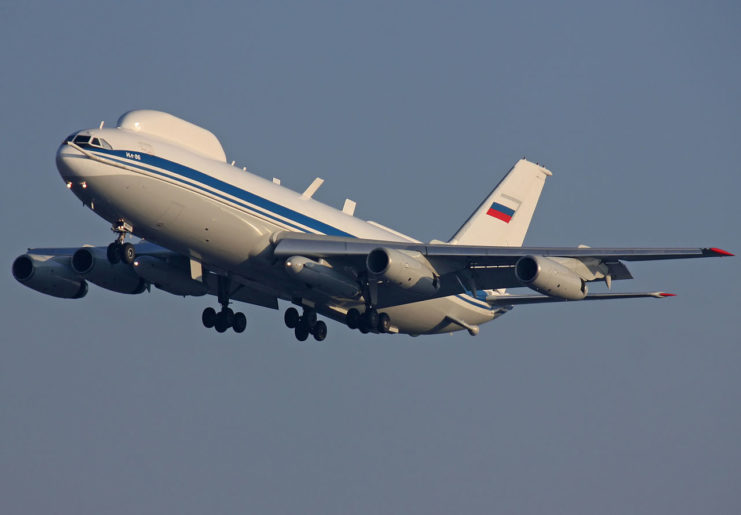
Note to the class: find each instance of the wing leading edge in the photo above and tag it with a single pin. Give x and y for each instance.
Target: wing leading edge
(321, 246)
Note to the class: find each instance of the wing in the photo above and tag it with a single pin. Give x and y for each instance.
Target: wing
(514, 300)
(321, 246)
(65, 272)
(470, 268)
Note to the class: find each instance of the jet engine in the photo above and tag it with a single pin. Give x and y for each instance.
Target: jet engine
(407, 269)
(322, 277)
(49, 275)
(169, 275)
(93, 265)
(550, 278)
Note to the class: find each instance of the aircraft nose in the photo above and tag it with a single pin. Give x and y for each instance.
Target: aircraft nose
(66, 157)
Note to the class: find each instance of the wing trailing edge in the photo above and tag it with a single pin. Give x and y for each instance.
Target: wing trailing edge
(514, 300)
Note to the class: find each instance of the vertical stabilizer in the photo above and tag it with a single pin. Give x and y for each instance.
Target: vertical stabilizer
(503, 218)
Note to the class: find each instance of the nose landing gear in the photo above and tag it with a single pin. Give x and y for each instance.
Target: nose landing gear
(305, 325)
(118, 250)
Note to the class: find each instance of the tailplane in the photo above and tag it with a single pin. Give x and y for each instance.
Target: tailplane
(503, 218)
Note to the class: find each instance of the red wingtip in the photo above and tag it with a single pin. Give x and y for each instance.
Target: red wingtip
(662, 294)
(721, 252)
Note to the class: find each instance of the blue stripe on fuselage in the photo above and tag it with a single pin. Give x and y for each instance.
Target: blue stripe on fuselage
(200, 178)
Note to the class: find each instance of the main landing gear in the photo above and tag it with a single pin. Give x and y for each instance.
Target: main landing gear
(225, 318)
(306, 324)
(118, 250)
(370, 320)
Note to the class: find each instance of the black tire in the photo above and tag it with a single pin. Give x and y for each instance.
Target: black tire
(319, 331)
(208, 317)
(229, 314)
(128, 253)
(222, 323)
(291, 318)
(309, 317)
(371, 319)
(239, 324)
(301, 332)
(113, 253)
(352, 319)
(363, 326)
(384, 323)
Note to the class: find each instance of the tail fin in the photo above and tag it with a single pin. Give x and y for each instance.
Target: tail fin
(504, 216)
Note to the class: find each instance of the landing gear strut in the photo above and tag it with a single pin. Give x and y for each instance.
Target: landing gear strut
(225, 318)
(305, 325)
(118, 250)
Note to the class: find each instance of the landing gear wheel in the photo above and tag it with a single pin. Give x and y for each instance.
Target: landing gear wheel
(222, 322)
(208, 317)
(229, 314)
(113, 253)
(319, 331)
(384, 323)
(128, 253)
(302, 332)
(239, 323)
(352, 319)
(371, 318)
(363, 325)
(291, 318)
(309, 317)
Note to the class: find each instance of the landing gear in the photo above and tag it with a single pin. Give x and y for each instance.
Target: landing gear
(370, 320)
(118, 250)
(225, 318)
(305, 325)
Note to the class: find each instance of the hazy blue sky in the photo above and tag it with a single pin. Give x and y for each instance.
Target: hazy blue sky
(120, 405)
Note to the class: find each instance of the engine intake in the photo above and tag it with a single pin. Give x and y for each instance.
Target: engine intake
(407, 269)
(550, 278)
(48, 275)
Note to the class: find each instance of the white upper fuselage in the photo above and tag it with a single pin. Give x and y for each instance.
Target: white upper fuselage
(224, 216)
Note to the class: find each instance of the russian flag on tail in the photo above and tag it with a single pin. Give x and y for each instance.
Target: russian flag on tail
(501, 212)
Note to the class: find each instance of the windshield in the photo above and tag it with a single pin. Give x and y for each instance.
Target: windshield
(89, 141)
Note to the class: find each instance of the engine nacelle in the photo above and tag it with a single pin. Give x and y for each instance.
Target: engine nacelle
(550, 278)
(92, 263)
(322, 277)
(172, 277)
(49, 275)
(407, 269)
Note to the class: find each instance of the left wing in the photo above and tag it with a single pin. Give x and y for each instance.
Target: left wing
(513, 300)
(444, 269)
(322, 246)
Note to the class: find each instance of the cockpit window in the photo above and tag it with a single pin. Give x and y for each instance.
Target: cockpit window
(88, 141)
(100, 142)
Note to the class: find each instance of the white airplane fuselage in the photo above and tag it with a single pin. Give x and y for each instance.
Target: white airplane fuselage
(223, 216)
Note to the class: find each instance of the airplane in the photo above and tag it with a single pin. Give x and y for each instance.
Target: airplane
(207, 226)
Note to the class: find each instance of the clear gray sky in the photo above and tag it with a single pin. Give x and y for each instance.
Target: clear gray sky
(122, 405)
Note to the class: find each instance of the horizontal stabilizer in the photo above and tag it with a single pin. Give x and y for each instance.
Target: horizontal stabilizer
(512, 300)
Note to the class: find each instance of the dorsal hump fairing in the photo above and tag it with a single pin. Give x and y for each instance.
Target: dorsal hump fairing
(173, 130)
